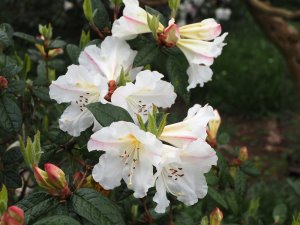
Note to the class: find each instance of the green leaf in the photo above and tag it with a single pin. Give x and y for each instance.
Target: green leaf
(151, 124)
(176, 67)
(27, 37)
(96, 208)
(232, 202)
(249, 168)
(4, 39)
(55, 220)
(3, 199)
(16, 86)
(101, 17)
(106, 114)
(37, 205)
(57, 44)
(73, 53)
(215, 195)
(211, 178)
(280, 213)
(12, 178)
(240, 182)
(146, 55)
(42, 93)
(295, 185)
(162, 124)
(11, 157)
(154, 12)
(10, 115)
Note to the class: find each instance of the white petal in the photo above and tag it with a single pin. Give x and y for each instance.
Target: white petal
(160, 196)
(191, 129)
(148, 89)
(201, 52)
(206, 30)
(74, 120)
(198, 74)
(79, 86)
(113, 56)
(132, 23)
(108, 172)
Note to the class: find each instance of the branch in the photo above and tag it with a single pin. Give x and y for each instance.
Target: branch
(274, 11)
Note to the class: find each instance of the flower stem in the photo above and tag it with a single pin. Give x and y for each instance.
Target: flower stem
(148, 216)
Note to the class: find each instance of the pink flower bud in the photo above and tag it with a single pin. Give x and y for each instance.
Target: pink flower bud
(13, 216)
(56, 176)
(41, 177)
(216, 217)
(3, 82)
(170, 35)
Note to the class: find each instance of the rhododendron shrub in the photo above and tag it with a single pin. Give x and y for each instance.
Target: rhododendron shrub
(107, 148)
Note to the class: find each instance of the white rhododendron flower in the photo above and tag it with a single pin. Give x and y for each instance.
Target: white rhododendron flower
(130, 154)
(192, 128)
(80, 87)
(110, 59)
(181, 173)
(198, 74)
(149, 89)
(133, 21)
(199, 42)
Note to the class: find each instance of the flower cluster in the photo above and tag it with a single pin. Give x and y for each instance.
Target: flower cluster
(172, 158)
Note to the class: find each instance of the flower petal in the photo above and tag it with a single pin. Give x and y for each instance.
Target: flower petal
(160, 196)
(108, 172)
(189, 130)
(148, 89)
(198, 74)
(206, 30)
(75, 120)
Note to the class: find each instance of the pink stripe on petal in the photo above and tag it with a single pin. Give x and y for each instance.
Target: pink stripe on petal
(133, 20)
(92, 60)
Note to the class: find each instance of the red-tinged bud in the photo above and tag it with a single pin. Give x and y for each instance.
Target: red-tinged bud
(41, 177)
(55, 176)
(3, 82)
(170, 35)
(235, 162)
(55, 52)
(13, 216)
(216, 217)
(243, 155)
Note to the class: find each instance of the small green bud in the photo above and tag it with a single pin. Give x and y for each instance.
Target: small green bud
(204, 221)
(32, 152)
(88, 10)
(174, 6)
(46, 31)
(216, 217)
(84, 39)
(153, 24)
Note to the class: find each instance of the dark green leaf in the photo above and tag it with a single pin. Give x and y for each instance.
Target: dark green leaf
(57, 220)
(57, 44)
(37, 205)
(240, 182)
(10, 115)
(96, 208)
(232, 202)
(154, 12)
(41, 92)
(16, 86)
(12, 178)
(211, 178)
(215, 195)
(4, 39)
(249, 168)
(146, 55)
(73, 53)
(101, 17)
(27, 37)
(280, 213)
(12, 156)
(106, 114)
(176, 67)
(295, 185)
(8, 29)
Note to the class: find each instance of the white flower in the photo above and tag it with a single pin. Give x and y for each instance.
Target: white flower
(130, 154)
(148, 89)
(223, 13)
(181, 173)
(192, 128)
(133, 21)
(110, 59)
(80, 87)
(198, 74)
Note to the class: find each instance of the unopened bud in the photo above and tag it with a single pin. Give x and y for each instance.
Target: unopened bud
(213, 127)
(41, 178)
(153, 24)
(216, 217)
(56, 176)
(3, 82)
(13, 216)
(243, 154)
(174, 6)
(46, 31)
(55, 52)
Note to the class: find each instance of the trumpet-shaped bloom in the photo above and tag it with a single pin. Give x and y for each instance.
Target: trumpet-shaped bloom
(192, 128)
(181, 173)
(130, 153)
(199, 42)
(133, 21)
(80, 87)
(110, 59)
(148, 89)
